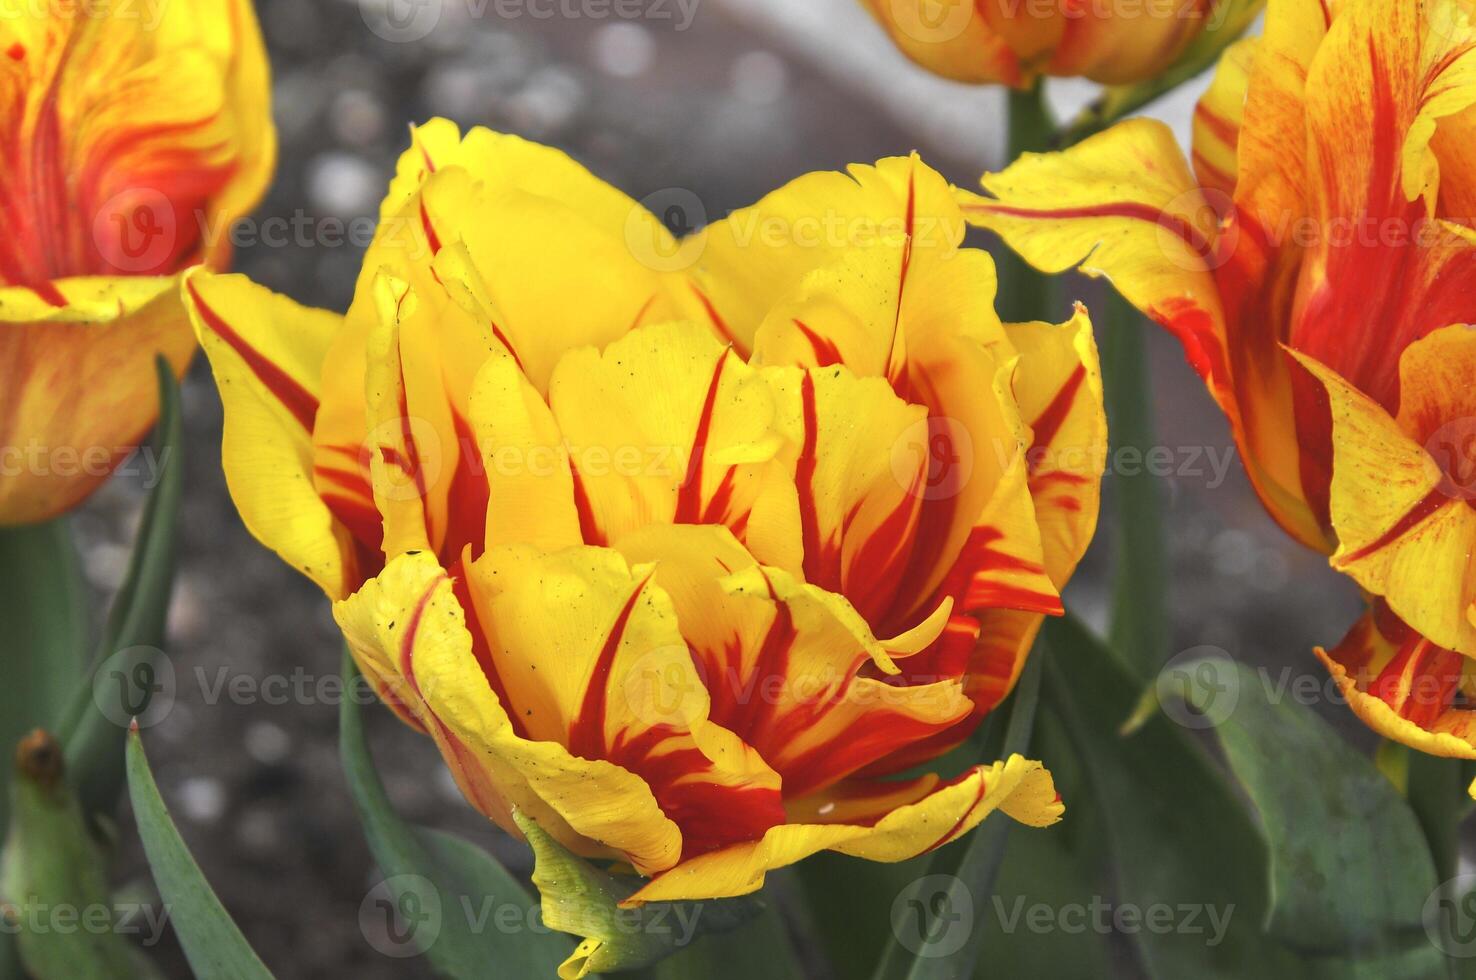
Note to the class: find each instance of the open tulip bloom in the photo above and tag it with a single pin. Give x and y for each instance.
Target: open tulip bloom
(682, 549)
(1319, 266)
(128, 146)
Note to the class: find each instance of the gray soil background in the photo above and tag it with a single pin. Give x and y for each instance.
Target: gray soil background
(749, 95)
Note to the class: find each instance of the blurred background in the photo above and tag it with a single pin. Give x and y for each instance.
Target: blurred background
(725, 99)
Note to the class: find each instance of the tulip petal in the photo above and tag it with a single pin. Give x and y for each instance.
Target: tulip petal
(1058, 386)
(1112, 47)
(790, 669)
(1272, 185)
(589, 653)
(267, 355)
(1403, 686)
(962, 44)
(1123, 205)
(669, 426)
(1020, 788)
(1218, 117)
(78, 388)
(1380, 277)
(407, 630)
(141, 175)
(531, 488)
(1404, 533)
(759, 255)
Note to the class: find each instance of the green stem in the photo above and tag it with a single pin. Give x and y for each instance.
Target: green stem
(1025, 294)
(1139, 632)
(43, 632)
(1437, 794)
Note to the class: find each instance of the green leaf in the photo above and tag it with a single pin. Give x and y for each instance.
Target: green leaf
(43, 631)
(213, 945)
(960, 877)
(1165, 817)
(1058, 869)
(457, 893)
(1228, 21)
(54, 880)
(582, 900)
(131, 646)
(1139, 632)
(1350, 869)
(842, 891)
(760, 948)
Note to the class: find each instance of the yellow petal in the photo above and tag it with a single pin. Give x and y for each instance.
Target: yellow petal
(759, 255)
(78, 389)
(407, 629)
(1020, 788)
(1058, 385)
(1402, 686)
(267, 355)
(589, 654)
(531, 489)
(1123, 205)
(668, 426)
(1218, 117)
(1403, 532)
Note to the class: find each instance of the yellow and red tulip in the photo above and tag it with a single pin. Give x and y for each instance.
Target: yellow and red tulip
(1015, 42)
(131, 136)
(1319, 265)
(679, 563)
